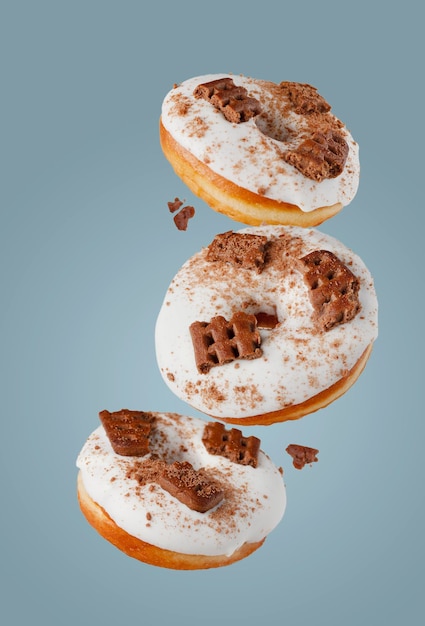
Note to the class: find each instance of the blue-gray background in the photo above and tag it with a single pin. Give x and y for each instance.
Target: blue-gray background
(88, 248)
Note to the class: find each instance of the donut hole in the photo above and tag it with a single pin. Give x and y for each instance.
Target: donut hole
(272, 127)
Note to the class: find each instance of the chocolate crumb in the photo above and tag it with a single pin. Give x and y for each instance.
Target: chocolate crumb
(175, 206)
(302, 455)
(182, 218)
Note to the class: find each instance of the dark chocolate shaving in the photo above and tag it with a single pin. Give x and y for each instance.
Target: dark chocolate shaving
(231, 444)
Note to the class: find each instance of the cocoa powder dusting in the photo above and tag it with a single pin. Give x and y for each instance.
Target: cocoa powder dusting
(197, 128)
(146, 472)
(181, 105)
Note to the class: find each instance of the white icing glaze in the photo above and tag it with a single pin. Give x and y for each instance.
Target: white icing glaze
(297, 362)
(254, 504)
(249, 153)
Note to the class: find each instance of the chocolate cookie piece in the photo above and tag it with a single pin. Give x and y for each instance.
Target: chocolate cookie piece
(304, 99)
(239, 249)
(194, 488)
(220, 341)
(128, 431)
(231, 444)
(321, 156)
(233, 101)
(333, 288)
(302, 455)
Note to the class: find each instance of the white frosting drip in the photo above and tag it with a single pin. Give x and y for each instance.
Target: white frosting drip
(245, 155)
(297, 361)
(254, 504)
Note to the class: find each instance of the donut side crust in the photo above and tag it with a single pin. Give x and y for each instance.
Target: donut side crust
(237, 203)
(99, 519)
(313, 404)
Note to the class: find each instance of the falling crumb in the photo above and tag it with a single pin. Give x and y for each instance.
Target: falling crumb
(182, 218)
(175, 206)
(302, 455)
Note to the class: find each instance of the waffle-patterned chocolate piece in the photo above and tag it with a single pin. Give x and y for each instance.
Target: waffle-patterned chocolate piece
(192, 487)
(334, 290)
(323, 155)
(233, 101)
(128, 431)
(239, 249)
(302, 455)
(219, 341)
(231, 444)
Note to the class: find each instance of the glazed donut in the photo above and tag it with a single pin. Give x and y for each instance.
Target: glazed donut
(266, 324)
(260, 152)
(178, 492)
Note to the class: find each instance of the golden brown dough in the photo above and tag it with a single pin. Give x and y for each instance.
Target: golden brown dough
(142, 551)
(260, 152)
(239, 204)
(319, 401)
